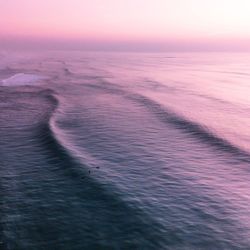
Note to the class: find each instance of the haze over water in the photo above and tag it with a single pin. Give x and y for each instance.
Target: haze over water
(131, 25)
(124, 151)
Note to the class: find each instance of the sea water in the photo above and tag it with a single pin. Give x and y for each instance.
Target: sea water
(124, 150)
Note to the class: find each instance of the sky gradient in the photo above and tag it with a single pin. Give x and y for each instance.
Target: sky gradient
(131, 24)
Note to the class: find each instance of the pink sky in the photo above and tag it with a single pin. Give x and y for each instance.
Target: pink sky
(201, 22)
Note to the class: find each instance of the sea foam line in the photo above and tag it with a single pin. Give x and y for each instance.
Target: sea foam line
(22, 79)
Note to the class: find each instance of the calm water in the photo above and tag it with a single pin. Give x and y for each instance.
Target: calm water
(124, 151)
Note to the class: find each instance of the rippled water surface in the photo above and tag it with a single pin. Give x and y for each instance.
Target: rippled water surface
(124, 151)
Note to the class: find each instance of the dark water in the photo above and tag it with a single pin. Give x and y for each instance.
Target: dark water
(124, 151)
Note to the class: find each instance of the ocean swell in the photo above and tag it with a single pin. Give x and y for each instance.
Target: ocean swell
(127, 218)
(190, 127)
(52, 139)
(178, 121)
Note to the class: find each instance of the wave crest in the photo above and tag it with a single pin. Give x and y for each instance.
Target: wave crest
(23, 79)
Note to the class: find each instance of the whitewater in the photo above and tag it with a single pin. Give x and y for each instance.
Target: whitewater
(124, 150)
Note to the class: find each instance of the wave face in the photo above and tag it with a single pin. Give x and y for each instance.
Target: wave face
(151, 152)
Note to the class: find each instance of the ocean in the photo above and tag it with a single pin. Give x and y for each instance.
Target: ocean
(104, 150)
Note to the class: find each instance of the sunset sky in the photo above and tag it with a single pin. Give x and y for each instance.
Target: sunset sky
(177, 24)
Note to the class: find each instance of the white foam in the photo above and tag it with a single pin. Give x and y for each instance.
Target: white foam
(22, 79)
